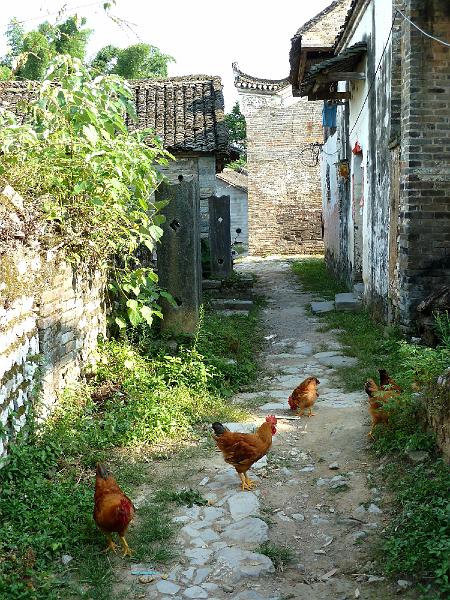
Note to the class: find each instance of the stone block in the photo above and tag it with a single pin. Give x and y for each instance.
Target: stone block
(211, 284)
(179, 259)
(231, 304)
(358, 289)
(220, 237)
(322, 307)
(347, 302)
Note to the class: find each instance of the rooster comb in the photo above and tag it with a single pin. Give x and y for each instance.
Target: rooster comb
(271, 419)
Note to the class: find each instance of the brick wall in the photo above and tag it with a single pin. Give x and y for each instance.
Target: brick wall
(284, 192)
(424, 217)
(50, 319)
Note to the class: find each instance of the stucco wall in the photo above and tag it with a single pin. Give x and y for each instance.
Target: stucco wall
(238, 210)
(284, 197)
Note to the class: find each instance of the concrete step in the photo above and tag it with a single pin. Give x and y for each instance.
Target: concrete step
(348, 302)
(211, 284)
(231, 304)
(358, 289)
(322, 307)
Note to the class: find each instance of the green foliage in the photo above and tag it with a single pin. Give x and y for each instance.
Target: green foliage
(36, 51)
(105, 60)
(46, 500)
(92, 177)
(185, 497)
(279, 555)
(228, 345)
(14, 36)
(71, 37)
(237, 127)
(417, 541)
(141, 61)
(237, 165)
(5, 73)
(314, 277)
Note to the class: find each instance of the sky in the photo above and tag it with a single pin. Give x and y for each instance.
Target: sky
(203, 36)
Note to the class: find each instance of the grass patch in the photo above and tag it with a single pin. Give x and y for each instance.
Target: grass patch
(187, 497)
(316, 278)
(142, 396)
(417, 540)
(279, 555)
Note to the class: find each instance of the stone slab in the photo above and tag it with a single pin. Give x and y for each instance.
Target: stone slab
(322, 307)
(347, 302)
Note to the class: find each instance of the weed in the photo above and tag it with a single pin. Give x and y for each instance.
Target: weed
(186, 497)
(152, 399)
(417, 541)
(279, 555)
(315, 277)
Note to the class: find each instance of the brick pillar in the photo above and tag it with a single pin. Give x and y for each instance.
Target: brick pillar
(424, 225)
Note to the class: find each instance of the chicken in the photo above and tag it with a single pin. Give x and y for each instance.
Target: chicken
(378, 396)
(113, 511)
(386, 382)
(304, 396)
(243, 449)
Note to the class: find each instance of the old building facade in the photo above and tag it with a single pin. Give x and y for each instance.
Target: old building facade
(284, 201)
(385, 162)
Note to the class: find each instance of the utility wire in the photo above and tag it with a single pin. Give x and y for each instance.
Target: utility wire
(432, 37)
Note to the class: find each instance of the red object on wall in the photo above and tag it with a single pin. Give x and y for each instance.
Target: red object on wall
(357, 148)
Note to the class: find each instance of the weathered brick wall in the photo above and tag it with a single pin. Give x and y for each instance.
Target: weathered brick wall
(424, 218)
(284, 190)
(50, 319)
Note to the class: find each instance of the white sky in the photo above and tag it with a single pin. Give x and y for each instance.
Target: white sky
(203, 36)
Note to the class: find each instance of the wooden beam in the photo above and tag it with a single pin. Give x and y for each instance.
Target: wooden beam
(340, 76)
(330, 96)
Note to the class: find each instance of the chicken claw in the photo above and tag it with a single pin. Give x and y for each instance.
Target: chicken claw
(111, 545)
(126, 547)
(247, 484)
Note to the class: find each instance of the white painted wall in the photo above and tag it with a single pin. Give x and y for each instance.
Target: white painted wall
(238, 210)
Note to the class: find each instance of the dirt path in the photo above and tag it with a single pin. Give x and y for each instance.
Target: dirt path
(314, 495)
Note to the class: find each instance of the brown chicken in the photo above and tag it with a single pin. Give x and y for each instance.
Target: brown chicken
(387, 382)
(243, 449)
(378, 396)
(304, 396)
(113, 511)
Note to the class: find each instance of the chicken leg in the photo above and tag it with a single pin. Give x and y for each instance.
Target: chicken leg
(311, 414)
(126, 547)
(111, 545)
(247, 483)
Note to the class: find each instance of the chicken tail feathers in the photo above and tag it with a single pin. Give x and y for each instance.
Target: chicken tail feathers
(102, 471)
(218, 428)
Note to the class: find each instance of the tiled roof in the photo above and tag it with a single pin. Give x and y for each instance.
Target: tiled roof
(322, 29)
(314, 41)
(244, 81)
(187, 113)
(235, 178)
(345, 61)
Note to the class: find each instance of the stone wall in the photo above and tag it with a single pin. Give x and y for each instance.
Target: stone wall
(50, 319)
(284, 194)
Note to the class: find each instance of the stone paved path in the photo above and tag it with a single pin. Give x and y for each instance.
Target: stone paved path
(314, 491)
